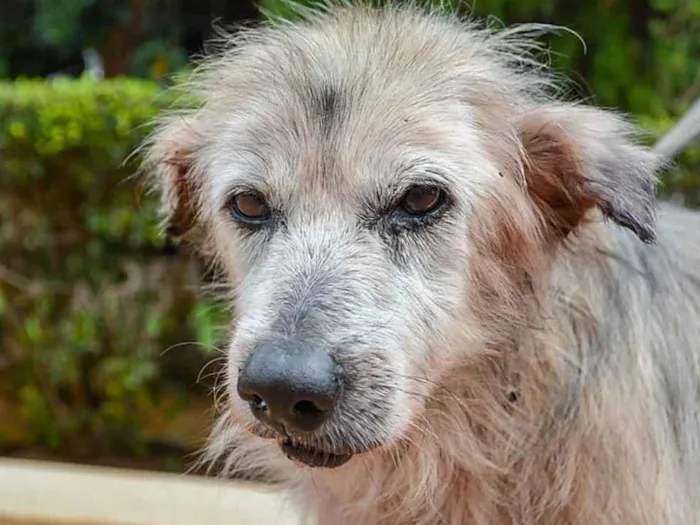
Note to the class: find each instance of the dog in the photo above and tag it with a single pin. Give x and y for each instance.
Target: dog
(457, 300)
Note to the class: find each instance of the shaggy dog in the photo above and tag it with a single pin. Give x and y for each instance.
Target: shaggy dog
(455, 300)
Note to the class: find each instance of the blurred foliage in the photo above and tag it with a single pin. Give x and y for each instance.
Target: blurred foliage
(145, 38)
(89, 298)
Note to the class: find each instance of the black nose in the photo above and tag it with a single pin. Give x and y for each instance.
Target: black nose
(290, 388)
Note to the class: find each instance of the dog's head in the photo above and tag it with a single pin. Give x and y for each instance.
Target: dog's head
(382, 188)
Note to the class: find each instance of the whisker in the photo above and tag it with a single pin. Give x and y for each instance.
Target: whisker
(210, 348)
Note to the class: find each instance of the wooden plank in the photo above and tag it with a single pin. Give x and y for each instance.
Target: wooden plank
(50, 493)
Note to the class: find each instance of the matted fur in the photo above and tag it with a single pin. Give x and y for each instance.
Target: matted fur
(530, 357)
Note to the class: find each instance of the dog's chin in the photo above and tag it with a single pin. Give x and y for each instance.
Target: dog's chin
(312, 457)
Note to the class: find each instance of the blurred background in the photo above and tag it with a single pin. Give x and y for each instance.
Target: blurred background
(108, 336)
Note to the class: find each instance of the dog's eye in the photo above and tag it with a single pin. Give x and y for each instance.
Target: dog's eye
(419, 200)
(250, 207)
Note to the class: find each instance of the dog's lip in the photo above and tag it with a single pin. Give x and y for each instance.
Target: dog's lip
(313, 457)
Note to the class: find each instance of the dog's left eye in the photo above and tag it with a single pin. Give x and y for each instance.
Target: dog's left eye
(419, 200)
(250, 208)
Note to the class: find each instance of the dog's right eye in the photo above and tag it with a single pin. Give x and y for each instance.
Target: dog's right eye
(419, 200)
(250, 208)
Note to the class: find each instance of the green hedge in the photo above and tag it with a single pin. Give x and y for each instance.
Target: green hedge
(90, 296)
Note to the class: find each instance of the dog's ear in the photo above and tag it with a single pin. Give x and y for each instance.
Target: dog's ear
(170, 165)
(577, 158)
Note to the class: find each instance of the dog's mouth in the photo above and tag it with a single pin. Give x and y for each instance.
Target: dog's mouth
(313, 457)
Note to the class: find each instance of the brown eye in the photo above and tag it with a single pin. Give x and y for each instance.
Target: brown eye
(250, 207)
(420, 200)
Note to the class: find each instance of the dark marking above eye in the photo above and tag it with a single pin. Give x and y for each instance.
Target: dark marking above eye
(326, 104)
(328, 99)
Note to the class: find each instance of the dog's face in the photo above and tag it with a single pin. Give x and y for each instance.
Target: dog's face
(377, 201)
(345, 224)
(348, 235)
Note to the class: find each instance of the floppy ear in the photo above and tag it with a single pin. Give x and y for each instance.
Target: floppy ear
(169, 163)
(578, 158)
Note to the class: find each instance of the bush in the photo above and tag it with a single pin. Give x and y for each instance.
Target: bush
(90, 295)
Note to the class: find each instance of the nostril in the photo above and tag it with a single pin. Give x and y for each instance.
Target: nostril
(306, 409)
(258, 402)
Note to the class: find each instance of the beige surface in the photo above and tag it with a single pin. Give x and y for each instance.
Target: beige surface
(48, 493)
